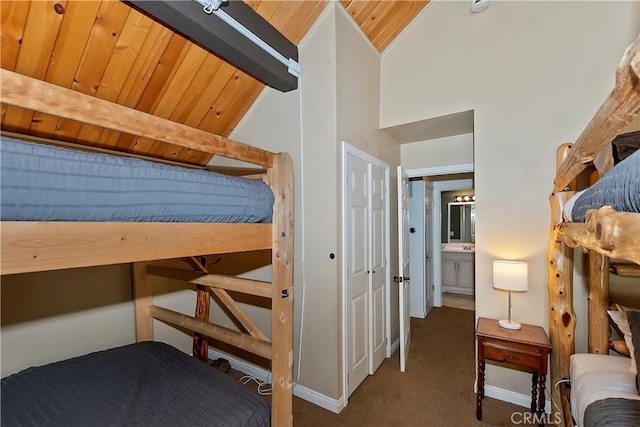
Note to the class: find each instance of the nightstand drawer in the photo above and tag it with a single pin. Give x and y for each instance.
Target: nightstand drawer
(499, 353)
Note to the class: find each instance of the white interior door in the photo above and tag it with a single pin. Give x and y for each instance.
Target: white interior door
(403, 262)
(378, 266)
(357, 272)
(417, 254)
(428, 268)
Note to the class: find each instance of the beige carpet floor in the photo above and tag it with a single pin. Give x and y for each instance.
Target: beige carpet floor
(465, 302)
(436, 390)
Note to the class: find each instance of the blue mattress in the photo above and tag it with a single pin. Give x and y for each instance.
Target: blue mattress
(618, 188)
(47, 183)
(143, 384)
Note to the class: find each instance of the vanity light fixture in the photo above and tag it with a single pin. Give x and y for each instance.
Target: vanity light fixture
(465, 198)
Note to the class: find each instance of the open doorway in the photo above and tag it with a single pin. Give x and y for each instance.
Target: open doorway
(450, 259)
(457, 244)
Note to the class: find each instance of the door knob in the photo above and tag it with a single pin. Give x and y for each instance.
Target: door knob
(397, 279)
(406, 278)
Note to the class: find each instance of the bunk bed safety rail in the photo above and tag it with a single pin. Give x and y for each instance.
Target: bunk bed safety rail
(621, 106)
(37, 95)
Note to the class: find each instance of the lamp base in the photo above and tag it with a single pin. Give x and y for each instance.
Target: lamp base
(509, 324)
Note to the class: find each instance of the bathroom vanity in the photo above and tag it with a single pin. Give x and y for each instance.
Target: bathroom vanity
(458, 254)
(458, 269)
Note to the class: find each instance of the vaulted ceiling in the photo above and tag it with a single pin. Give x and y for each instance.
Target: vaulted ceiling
(109, 50)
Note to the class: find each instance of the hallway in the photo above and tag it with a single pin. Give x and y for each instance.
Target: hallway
(436, 390)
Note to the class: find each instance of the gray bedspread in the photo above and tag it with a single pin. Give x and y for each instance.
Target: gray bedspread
(613, 412)
(618, 188)
(47, 183)
(143, 384)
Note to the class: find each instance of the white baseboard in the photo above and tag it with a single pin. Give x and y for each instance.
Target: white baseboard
(262, 374)
(394, 347)
(512, 397)
(336, 406)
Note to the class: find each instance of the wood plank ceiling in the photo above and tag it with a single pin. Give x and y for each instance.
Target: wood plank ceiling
(108, 50)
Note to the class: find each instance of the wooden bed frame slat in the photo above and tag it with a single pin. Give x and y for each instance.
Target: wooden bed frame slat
(237, 284)
(37, 95)
(29, 246)
(239, 314)
(625, 270)
(610, 233)
(220, 333)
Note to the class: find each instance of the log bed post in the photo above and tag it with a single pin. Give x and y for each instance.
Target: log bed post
(598, 302)
(562, 318)
(143, 300)
(620, 107)
(203, 305)
(280, 179)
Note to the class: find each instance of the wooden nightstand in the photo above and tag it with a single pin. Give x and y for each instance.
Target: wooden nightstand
(527, 348)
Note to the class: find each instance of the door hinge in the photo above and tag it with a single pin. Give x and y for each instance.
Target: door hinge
(347, 379)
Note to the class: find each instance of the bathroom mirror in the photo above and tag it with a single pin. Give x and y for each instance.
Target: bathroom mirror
(461, 222)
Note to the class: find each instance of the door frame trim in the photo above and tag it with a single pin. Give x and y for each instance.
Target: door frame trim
(436, 219)
(438, 187)
(347, 149)
(440, 170)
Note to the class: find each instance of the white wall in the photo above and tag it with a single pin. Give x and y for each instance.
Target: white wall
(534, 73)
(55, 315)
(320, 353)
(273, 123)
(451, 150)
(358, 100)
(339, 101)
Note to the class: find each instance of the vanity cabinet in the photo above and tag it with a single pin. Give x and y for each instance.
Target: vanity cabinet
(458, 272)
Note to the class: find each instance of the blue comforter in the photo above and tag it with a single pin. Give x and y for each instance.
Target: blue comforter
(618, 188)
(47, 183)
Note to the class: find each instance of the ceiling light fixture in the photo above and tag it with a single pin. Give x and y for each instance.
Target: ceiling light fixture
(479, 5)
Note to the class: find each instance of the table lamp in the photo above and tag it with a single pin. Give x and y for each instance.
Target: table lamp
(510, 276)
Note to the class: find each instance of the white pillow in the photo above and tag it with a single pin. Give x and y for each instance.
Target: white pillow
(620, 319)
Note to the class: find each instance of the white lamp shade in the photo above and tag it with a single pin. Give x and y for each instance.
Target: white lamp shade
(510, 275)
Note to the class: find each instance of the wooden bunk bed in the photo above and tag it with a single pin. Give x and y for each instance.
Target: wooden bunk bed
(605, 234)
(31, 246)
